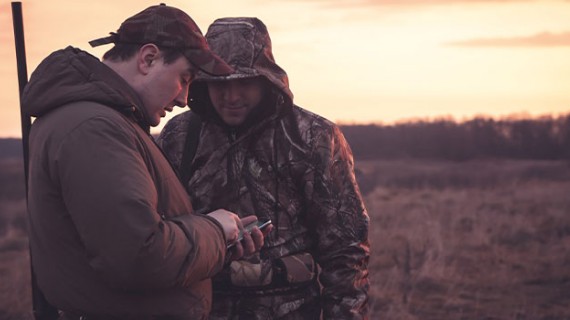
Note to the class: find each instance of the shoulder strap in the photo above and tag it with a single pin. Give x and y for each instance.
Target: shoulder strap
(190, 147)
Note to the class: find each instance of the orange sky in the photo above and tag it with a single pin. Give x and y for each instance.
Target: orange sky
(351, 61)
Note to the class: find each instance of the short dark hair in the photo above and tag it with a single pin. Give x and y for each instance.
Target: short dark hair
(124, 51)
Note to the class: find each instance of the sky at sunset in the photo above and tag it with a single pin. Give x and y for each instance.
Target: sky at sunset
(353, 61)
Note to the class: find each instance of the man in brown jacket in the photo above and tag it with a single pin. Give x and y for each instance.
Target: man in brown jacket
(245, 146)
(112, 231)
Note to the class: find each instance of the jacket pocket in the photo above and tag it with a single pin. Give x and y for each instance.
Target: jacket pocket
(292, 270)
(296, 269)
(250, 274)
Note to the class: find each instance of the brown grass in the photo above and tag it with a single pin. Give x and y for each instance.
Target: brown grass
(473, 240)
(15, 293)
(468, 249)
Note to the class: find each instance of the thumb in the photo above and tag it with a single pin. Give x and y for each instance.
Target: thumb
(248, 220)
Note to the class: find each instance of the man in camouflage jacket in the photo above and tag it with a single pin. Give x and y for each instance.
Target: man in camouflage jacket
(245, 147)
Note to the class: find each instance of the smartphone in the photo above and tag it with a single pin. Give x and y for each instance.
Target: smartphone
(260, 224)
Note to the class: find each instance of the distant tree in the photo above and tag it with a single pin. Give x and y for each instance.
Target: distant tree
(562, 134)
(10, 148)
(545, 138)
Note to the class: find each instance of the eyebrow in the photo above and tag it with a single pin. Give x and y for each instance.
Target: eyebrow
(191, 71)
(192, 68)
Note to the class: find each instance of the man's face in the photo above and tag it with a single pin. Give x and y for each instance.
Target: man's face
(165, 86)
(234, 100)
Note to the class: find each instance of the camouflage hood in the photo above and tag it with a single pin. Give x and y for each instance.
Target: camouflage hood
(244, 43)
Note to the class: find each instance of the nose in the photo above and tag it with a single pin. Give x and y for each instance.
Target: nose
(233, 92)
(182, 98)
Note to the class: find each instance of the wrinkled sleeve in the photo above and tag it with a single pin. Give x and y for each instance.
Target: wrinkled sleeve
(172, 137)
(341, 225)
(113, 201)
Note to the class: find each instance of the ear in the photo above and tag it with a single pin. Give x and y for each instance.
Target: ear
(146, 57)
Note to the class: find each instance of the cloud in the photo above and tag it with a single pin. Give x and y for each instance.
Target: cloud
(544, 39)
(433, 2)
(403, 3)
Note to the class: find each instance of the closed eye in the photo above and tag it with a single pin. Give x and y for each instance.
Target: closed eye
(187, 77)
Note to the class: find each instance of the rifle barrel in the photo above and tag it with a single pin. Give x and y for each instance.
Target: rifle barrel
(22, 77)
(42, 309)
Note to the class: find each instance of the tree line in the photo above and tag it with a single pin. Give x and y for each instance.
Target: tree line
(542, 138)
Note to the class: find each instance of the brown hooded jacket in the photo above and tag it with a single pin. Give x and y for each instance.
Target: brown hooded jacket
(111, 227)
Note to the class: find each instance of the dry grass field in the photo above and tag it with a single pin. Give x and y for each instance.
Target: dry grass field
(473, 240)
(15, 299)
(470, 240)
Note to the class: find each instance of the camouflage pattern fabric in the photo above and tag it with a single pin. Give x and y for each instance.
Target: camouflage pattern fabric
(288, 165)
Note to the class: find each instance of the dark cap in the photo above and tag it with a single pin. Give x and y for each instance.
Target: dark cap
(168, 27)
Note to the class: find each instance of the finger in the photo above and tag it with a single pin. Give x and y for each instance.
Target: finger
(267, 230)
(234, 236)
(258, 238)
(237, 251)
(238, 222)
(248, 220)
(248, 244)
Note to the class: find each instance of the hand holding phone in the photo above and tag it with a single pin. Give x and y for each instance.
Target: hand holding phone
(248, 228)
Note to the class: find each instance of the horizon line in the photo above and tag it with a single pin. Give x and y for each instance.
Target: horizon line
(509, 117)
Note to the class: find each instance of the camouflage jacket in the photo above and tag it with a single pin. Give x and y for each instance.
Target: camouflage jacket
(293, 167)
